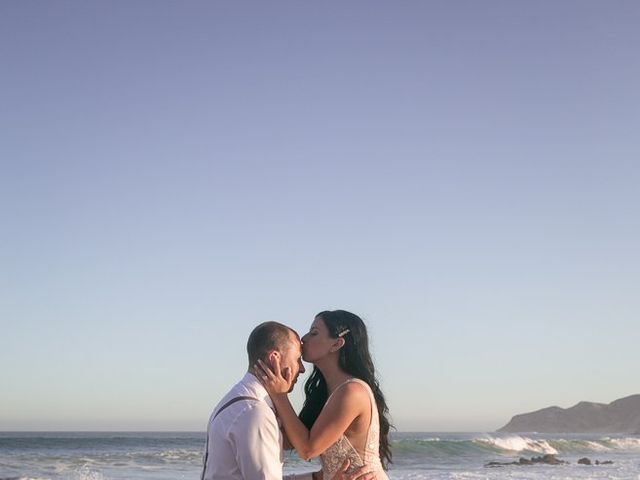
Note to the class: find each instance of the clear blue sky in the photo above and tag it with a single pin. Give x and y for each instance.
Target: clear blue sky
(463, 174)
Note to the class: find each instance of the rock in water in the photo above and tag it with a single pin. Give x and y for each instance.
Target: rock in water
(546, 459)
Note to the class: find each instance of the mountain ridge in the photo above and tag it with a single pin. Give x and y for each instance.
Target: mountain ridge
(619, 416)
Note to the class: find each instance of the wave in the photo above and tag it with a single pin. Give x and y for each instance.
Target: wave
(510, 445)
(624, 443)
(518, 444)
(23, 478)
(409, 451)
(89, 466)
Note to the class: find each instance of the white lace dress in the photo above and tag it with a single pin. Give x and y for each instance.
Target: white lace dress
(335, 455)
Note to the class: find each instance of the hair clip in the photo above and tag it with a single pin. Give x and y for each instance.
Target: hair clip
(344, 332)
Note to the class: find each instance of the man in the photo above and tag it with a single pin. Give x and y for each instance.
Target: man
(244, 441)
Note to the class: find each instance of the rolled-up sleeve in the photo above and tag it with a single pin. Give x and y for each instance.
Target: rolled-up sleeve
(258, 444)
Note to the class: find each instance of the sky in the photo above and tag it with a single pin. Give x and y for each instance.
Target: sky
(463, 175)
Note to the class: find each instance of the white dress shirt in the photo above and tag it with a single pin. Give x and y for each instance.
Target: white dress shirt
(244, 441)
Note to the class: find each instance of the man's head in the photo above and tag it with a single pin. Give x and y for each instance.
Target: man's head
(271, 340)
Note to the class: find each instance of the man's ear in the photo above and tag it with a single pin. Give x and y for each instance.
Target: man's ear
(273, 354)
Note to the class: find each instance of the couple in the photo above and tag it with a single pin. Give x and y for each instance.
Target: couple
(343, 420)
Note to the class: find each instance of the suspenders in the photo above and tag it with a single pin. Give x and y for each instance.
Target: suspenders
(206, 448)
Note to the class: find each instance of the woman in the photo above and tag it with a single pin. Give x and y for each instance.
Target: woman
(345, 415)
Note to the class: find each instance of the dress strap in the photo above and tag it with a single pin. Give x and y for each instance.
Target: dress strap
(372, 399)
(349, 380)
(371, 446)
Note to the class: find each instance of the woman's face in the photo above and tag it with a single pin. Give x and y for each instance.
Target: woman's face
(317, 343)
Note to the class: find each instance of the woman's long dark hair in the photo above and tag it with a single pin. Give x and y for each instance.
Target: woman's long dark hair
(355, 360)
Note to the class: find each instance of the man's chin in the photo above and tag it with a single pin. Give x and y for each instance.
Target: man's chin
(293, 384)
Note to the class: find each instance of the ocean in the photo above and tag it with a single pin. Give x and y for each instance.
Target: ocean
(417, 456)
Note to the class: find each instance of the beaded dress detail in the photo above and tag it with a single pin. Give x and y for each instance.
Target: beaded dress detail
(336, 454)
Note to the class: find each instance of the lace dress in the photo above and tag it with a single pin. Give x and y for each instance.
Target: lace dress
(335, 455)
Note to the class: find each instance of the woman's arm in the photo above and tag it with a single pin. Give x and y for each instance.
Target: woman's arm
(334, 419)
(286, 444)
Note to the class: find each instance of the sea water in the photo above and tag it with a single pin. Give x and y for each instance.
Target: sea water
(416, 456)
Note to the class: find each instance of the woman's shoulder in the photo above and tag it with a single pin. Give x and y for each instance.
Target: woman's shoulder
(353, 389)
(358, 381)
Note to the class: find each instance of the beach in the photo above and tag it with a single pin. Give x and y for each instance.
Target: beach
(417, 456)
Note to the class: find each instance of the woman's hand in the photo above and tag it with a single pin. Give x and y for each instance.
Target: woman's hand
(276, 381)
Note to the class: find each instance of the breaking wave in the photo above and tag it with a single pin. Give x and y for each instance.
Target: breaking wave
(518, 444)
(510, 445)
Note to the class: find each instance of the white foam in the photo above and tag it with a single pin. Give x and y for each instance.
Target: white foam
(597, 447)
(565, 446)
(625, 443)
(85, 473)
(517, 443)
(24, 478)
(181, 454)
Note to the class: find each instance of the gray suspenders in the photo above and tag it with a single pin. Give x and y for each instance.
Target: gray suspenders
(206, 448)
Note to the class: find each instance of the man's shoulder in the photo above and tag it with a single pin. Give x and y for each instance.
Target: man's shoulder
(237, 407)
(246, 418)
(252, 408)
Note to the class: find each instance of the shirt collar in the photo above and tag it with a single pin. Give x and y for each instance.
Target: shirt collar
(251, 383)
